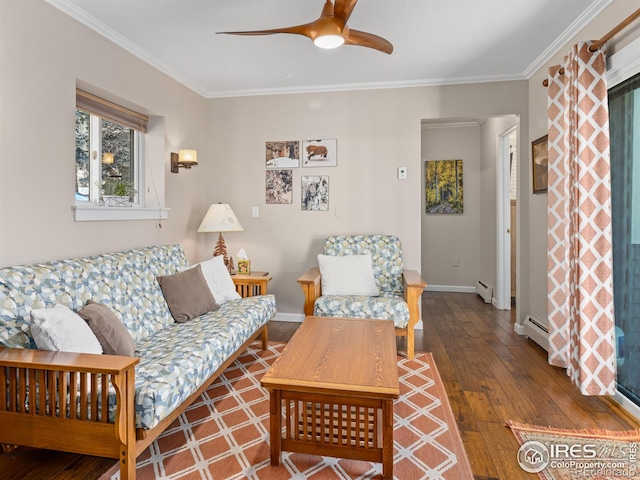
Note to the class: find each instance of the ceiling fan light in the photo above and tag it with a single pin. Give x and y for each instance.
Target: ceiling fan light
(328, 41)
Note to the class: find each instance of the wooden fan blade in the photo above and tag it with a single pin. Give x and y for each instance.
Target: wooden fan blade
(343, 8)
(369, 40)
(297, 30)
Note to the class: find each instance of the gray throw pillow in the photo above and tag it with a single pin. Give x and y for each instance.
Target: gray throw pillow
(187, 294)
(109, 330)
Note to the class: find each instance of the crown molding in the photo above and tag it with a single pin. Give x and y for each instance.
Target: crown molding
(365, 86)
(453, 123)
(91, 22)
(579, 23)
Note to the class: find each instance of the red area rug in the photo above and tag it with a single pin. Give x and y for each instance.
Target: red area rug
(225, 433)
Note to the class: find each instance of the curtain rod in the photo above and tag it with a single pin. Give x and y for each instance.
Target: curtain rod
(599, 43)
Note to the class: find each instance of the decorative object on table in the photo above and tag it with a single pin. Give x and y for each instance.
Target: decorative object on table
(319, 153)
(540, 164)
(444, 186)
(186, 159)
(284, 154)
(220, 218)
(315, 192)
(279, 186)
(244, 264)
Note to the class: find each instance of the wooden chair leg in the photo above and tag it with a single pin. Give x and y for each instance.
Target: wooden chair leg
(410, 343)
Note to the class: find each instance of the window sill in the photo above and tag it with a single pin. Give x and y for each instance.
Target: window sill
(91, 212)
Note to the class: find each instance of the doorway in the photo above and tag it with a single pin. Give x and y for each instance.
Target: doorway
(462, 250)
(507, 207)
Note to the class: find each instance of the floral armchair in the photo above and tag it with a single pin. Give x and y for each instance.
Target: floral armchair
(399, 291)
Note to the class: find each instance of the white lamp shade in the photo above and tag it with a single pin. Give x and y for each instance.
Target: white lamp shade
(188, 157)
(220, 218)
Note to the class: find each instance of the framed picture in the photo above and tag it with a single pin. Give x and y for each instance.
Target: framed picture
(315, 192)
(319, 153)
(279, 186)
(444, 186)
(540, 160)
(285, 154)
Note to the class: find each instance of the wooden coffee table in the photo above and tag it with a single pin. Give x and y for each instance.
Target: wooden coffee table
(334, 386)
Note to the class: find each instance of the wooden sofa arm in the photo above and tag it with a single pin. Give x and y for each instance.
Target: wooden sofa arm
(311, 287)
(413, 286)
(33, 413)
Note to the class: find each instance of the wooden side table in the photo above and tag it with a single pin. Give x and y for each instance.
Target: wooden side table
(251, 284)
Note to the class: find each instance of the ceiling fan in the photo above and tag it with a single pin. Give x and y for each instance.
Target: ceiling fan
(331, 29)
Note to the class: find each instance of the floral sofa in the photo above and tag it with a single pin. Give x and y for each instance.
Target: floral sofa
(121, 403)
(398, 291)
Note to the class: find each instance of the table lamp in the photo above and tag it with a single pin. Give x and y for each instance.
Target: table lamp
(220, 218)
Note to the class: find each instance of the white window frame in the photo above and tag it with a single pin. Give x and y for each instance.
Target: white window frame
(150, 179)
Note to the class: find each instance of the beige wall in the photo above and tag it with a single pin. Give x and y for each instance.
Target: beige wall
(43, 53)
(445, 236)
(376, 130)
(537, 212)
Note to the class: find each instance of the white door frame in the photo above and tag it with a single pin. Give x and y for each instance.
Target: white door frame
(503, 217)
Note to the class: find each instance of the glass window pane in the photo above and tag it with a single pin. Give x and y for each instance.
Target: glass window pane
(83, 179)
(117, 140)
(624, 123)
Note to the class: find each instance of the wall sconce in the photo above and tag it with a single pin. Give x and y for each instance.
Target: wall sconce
(186, 159)
(107, 158)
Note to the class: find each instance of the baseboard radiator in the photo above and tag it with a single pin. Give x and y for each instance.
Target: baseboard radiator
(537, 330)
(485, 291)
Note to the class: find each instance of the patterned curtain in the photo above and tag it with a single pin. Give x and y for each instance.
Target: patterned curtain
(580, 268)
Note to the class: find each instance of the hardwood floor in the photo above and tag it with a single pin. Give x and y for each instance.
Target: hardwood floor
(491, 375)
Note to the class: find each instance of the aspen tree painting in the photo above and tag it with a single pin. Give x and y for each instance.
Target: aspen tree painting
(443, 186)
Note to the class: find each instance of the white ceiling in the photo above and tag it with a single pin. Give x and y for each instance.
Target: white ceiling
(435, 42)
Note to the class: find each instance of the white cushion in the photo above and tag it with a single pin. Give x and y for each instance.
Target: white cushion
(61, 329)
(217, 277)
(347, 275)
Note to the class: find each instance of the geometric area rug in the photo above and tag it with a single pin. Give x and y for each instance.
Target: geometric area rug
(564, 454)
(224, 434)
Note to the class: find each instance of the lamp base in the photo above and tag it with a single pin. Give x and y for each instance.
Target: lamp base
(221, 250)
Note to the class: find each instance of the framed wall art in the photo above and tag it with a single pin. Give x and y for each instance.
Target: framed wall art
(540, 164)
(319, 153)
(315, 192)
(285, 154)
(279, 186)
(444, 187)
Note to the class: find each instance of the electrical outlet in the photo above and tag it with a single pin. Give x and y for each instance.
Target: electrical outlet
(255, 212)
(402, 173)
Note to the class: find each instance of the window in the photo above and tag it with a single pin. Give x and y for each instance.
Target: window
(119, 162)
(107, 161)
(623, 77)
